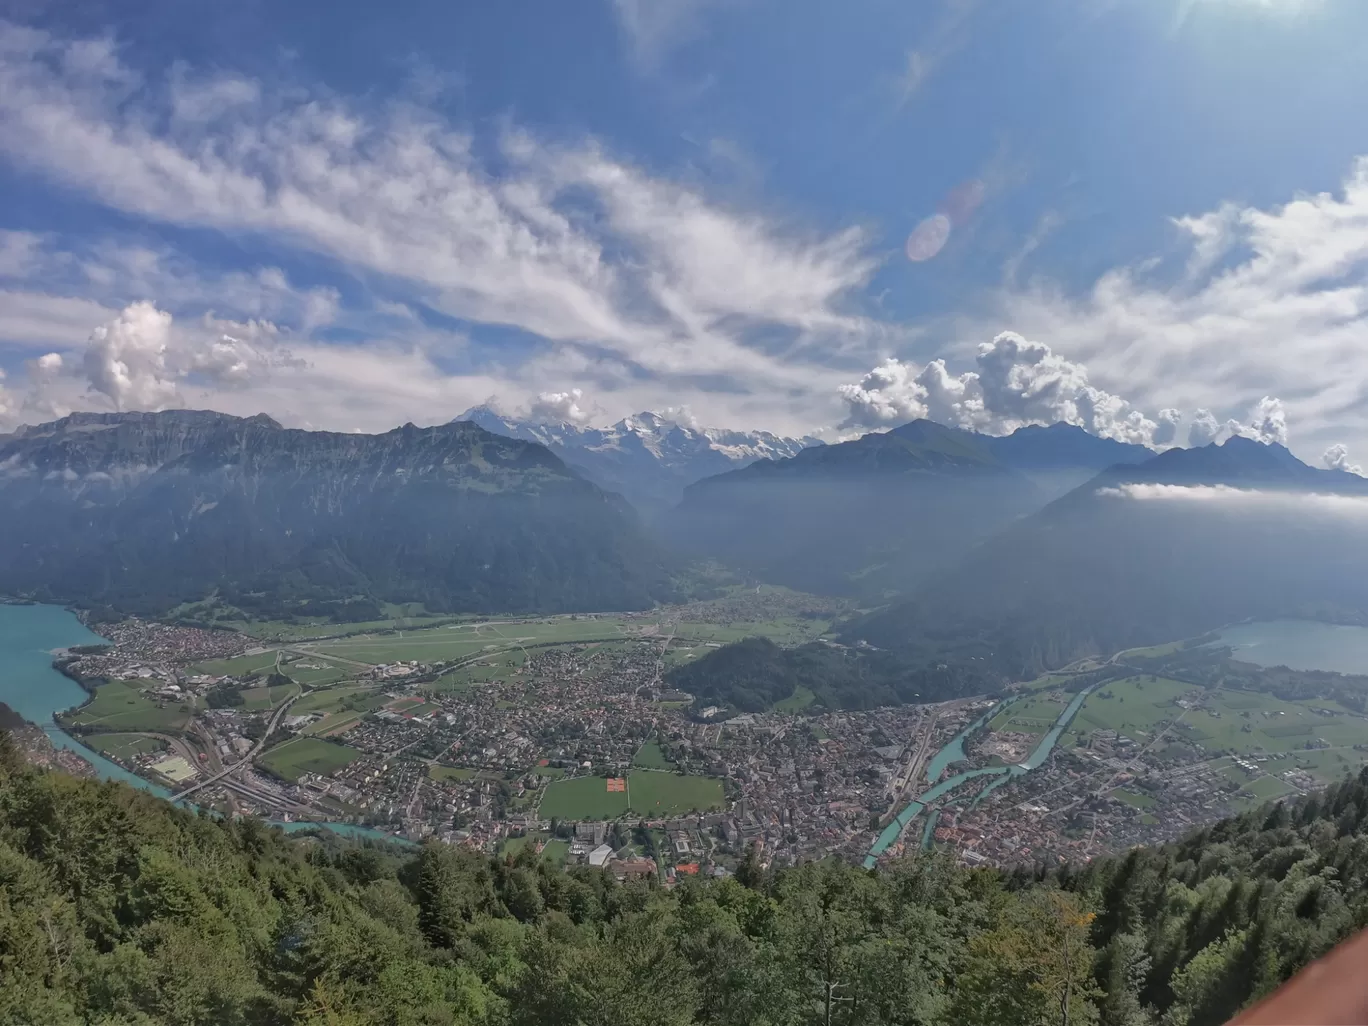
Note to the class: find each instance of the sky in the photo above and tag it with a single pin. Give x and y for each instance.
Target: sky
(1146, 217)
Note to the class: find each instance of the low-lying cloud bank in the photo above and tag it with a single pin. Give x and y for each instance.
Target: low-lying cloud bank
(1253, 500)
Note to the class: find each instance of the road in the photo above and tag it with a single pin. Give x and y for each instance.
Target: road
(246, 760)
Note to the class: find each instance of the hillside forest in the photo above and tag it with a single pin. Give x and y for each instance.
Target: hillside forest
(118, 908)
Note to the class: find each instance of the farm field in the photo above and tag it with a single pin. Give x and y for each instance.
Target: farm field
(318, 671)
(649, 793)
(238, 666)
(1032, 715)
(121, 705)
(498, 666)
(258, 699)
(338, 698)
(462, 641)
(293, 758)
(1135, 706)
(125, 746)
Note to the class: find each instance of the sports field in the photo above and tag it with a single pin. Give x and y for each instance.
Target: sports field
(299, 755)
(122, 705)
(649, 793)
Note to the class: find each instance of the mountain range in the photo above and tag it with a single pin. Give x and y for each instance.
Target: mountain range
(872, 516)
(1181, 544)
(648, 458)
(145, 511)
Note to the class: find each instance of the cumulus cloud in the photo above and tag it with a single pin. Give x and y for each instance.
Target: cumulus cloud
(126, 359)
(1254, 298)
(1337, 458)
(1227, 498)
(1205, 428)
(559, 408)
(1015, 382)
(1267, 423)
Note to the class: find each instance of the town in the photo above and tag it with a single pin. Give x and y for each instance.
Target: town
(563, 734)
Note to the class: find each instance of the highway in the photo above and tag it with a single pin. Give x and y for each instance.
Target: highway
(246, 760)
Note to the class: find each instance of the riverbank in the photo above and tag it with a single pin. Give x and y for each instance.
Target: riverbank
(35, 690)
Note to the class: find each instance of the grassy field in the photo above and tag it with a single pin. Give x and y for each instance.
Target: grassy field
(462, 641)
(649, 793)
(258, 699)
(1135, 706)
(498, 666)
(319, 671)
(293, 758)
(121, 705)
(238, 666)
(1034, 715)
(651, 756)
(125, 746)
(796, 702)
(451, 772)
(1140, 801)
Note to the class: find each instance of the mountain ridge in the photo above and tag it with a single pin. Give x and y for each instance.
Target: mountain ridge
(144, 511)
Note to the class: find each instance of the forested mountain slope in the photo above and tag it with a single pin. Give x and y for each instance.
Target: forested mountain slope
(116, 907)
(877, 515)
(1174, 547)
(142, 511)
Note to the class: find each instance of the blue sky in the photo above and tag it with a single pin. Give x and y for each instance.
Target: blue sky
(1144, 216)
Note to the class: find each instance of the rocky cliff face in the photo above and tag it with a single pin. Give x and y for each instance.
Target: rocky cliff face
(144, 511)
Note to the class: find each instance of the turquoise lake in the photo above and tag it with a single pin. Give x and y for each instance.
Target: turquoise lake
(1300, 644)
(29, 636)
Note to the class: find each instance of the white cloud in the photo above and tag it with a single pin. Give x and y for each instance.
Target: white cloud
(569, 244)
(1262, 299)
(1015, 382)
(126, 359)
(1337, 458)
(559, 408)
(1251, 500)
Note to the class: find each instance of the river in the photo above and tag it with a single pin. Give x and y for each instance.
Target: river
(954, 752)
(29, 638)
(1300, 645)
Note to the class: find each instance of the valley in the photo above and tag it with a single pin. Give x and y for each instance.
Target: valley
(484, 732)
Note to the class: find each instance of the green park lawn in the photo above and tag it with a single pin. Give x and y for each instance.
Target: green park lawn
(651, 756)
(293, 758)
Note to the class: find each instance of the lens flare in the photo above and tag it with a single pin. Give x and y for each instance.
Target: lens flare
(928, 238)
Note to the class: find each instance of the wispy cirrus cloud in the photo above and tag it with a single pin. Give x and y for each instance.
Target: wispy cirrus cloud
(639, 275)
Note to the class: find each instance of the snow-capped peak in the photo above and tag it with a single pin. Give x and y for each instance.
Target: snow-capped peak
(649, 456)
